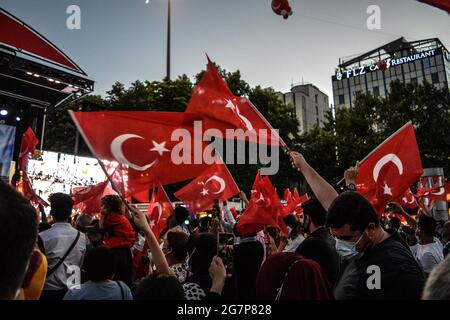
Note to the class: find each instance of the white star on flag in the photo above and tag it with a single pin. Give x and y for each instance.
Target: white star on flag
(159, 147)
(204, 192)
(387, 190)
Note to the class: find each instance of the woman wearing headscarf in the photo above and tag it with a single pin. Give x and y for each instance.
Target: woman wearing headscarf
(287, 276)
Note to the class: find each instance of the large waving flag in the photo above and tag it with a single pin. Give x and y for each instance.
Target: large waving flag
(263, 209)
(216, 183)
(388, 171)
(159, 210)
(88, 199)
(221, 110)
(144, 148)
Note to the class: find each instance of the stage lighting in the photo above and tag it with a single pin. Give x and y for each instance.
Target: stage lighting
(17, 119)
(57, 82)
(29, 73)
(51, 80)
(36, 75)
(3, 112)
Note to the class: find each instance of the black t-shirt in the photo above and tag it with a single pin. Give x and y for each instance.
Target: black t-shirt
(399, 273)
(320, 247)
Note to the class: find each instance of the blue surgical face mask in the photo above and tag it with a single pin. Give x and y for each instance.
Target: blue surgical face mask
(347, 249)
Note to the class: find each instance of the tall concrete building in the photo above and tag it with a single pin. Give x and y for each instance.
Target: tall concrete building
(416, 61)
(310, 105)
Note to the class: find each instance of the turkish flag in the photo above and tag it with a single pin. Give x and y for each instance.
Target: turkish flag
(436, 193)
(26, 189)
(295, 205)
(221, 110)
(263, 208)
(145, 147)
(441, 4)
(28, 145)
(159, 210)
(287, 195)
(408, 200)
(387, 172)
(88, 199)
(216, 183)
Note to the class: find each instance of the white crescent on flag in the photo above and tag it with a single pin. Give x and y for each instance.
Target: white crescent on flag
(220, 181)
(117, 152)
(391, 157)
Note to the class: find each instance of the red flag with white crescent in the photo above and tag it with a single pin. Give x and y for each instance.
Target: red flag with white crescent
(216, 183)
(388, 171)
(145, 147)
(159, 209)
(221, 110)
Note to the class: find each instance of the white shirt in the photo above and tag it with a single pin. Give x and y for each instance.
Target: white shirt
(57, 241)
(292, 245)
(429, 255)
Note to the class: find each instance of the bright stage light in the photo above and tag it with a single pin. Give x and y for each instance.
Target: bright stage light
(3, 112)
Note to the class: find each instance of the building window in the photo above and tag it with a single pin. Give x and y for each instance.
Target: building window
(317, 121)
(341, 99)
(374, 76)
(357, 80)
(435, 78)
(376, 91)
(317, 110)
(357, 93)
(303, 102)
(412, 66)
(426, 63)
(317, 98)
(414, 80)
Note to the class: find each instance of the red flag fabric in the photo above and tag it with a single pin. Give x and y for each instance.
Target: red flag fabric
(263, 208)
(408, 200)
(287, 195)
(88, 199)
(282, 8)
(26, 189)
(139, 146)
(159, 209)
(387, 172)
(214, 183)
(28, 145)
(221, 110)
(294, 206)
(141, 196)
(441, 4)
(295, 194)
(436, 193)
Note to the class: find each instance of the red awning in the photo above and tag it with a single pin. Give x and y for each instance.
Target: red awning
(441, 4)
(16, 34)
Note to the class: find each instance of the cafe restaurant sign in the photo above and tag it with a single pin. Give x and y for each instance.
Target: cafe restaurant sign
(390, 62)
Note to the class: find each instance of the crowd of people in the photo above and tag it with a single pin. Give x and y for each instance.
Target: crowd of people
(340, 248)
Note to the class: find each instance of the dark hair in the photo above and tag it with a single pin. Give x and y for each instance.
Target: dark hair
(99, 264)
(202, 249)
(112, 203)
(83, 221)
(204, 224)
(353, 209)
(160, 287)
(313, 209)
(394, 222)
(18, 234)
(427, 225)
(291, 221)
(181, 214)
(178, 242)
(61, 206)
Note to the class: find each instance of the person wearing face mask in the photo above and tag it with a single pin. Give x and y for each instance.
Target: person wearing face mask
(319, 245)
(377, 264)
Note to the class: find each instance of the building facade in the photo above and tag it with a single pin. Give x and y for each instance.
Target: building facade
(417, 61)
(310, 105)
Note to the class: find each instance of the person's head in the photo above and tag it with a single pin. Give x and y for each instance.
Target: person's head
(202, 249)
(94, 233)
(410, 233)
(426, 226)
(100, 264)
(17, 239)
(354, 223)
(160, 287)
(314, 215)
(394, 223)
(112, 203)
(204, 224)
(83, 221)
(176, 245)
(60, 207)
(437, 286)
(181, 214)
